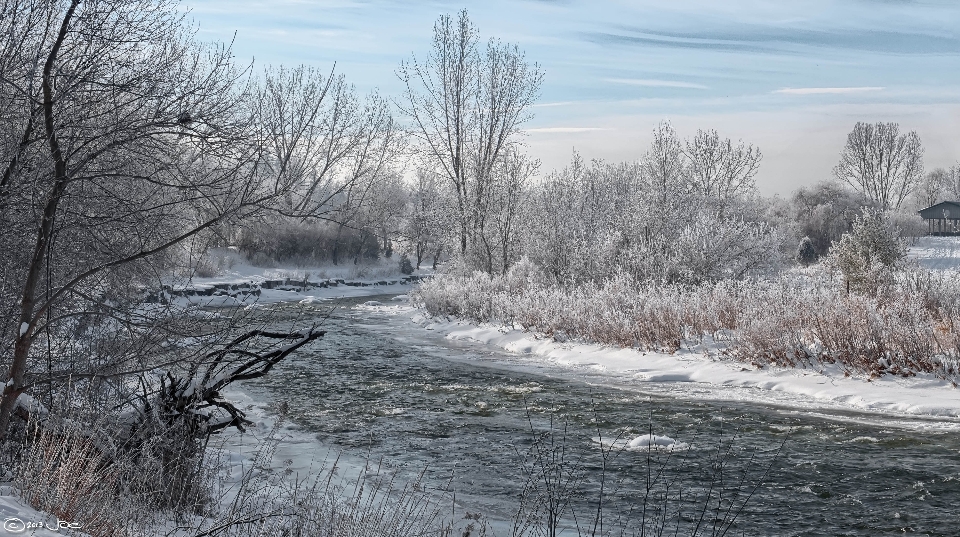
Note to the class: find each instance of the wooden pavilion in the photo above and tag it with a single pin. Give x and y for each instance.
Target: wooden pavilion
(942, 218)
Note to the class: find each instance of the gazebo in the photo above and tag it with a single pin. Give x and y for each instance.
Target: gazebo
(942, 218)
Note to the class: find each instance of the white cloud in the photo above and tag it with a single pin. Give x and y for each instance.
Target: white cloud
(560, 103)
(567, 129)
(822, 91)
(654, 83)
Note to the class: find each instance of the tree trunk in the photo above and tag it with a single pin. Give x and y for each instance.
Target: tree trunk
(336, 245)
(18, 368)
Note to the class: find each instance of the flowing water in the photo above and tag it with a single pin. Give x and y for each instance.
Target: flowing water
(467, 417)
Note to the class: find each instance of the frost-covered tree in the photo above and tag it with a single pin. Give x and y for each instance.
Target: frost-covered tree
(719, 169)
(124, 140)
(426, 228)
(466, 104)
(866, 255)
(882, 164)
(952, 183)
(501, 237)
(824, 212)
(592, 222)
(933, 187)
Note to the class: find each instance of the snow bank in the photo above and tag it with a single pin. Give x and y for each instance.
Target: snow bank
(21, 519)
(704, 375)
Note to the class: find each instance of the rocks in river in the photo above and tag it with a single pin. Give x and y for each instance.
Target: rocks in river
(241, 291)
(372, 303)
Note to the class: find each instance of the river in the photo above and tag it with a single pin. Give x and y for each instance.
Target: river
(466, 416)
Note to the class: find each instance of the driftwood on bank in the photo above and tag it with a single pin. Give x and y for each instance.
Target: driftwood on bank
(161, 436)
(194, 399)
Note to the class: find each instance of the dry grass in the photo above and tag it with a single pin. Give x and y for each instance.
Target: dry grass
(63, 473)
(911, 325)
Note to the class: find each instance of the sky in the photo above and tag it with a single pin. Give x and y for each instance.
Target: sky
(789, 77)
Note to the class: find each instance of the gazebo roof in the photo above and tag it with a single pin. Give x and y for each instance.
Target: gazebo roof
(944, 209)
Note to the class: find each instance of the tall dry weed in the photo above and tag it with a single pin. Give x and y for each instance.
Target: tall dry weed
(909, 325)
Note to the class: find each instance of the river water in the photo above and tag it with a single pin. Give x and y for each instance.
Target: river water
(466, 416)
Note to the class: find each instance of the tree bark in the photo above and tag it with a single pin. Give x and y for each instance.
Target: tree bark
(18, 368)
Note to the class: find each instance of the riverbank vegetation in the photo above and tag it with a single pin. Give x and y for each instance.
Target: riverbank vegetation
(129, 148)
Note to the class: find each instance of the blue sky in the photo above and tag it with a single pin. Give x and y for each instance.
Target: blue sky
(790, 77)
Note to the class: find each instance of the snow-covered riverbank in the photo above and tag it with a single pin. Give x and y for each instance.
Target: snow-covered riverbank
(700, 369)
(722, 378)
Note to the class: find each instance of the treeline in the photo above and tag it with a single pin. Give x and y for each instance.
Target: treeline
(454, 184)
(128, 147)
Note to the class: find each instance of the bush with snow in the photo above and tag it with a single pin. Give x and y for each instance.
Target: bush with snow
(868, 254)
(798, 319)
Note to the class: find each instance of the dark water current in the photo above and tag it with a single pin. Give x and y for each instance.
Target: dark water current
(468, 414)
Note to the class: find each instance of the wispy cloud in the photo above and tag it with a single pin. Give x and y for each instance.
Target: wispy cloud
(824, 91)
(654, 83)
(560, 103)
(566, 129)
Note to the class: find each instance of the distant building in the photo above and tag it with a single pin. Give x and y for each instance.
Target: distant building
(942, 218)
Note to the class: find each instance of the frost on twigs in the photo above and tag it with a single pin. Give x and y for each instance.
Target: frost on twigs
(868, 255)
(799, 319)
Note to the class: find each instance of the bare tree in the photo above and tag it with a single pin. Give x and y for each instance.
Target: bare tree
(509, 195)
(952, 183)
(466, 108)
(933, 187)
(884, 165)
(125, 140)
(427, 225)
(720, 170)
(664, 169)
(663, 164)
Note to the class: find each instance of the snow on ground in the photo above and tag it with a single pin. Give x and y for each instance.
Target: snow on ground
(20, 519)
(239, 283)
(711, 376)
(939, 253)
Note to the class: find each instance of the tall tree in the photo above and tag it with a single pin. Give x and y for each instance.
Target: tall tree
(719, 169)
(884, 165)
(124, 139)
(952, 183)
(466, 107)
(933, 187)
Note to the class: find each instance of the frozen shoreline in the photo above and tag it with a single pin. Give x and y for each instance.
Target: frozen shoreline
(682, 372)
(920, 396)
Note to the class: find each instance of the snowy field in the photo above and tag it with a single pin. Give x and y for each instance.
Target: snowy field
(938, 253)
(20, 519)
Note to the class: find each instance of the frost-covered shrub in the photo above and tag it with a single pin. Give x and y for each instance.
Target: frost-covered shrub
(406, 267)
(801, 318)
(867, 255)
(590, 223)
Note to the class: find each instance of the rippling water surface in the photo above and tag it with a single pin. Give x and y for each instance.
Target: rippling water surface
(468, 415)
